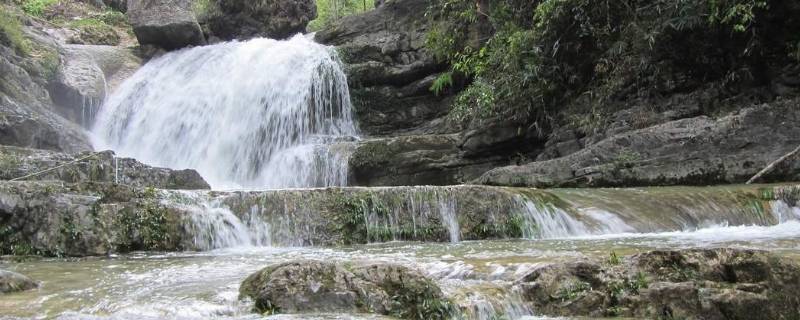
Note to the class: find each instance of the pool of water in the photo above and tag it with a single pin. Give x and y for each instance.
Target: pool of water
(478, 275)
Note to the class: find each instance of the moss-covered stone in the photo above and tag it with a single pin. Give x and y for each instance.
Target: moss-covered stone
(316, 286)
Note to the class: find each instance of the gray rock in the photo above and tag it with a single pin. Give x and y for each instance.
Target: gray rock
(317, 286)
(169, 24)
(27, 118)
(119, 5)
(93, 167)
(693, 151)
(390, 70)
(86, 219)
(88, 72)
(415, 160)
(11, 282)
(685, 284)
(245, 19)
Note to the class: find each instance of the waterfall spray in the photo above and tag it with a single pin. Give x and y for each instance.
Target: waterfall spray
(255, 114)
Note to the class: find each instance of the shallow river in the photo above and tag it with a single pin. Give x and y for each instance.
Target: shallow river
(478, 275)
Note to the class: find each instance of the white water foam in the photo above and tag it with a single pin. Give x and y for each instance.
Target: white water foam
(255, 114)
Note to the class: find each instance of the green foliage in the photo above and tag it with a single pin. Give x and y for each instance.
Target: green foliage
(352, 212)
(442, 82)
(145, 227)
(571, 290)
(113, 18)
(330, 11)
(11, 32)
(421, 304)
(37, 7)
(626, 159)
(740, 14)
(532, 65)
(613, 259)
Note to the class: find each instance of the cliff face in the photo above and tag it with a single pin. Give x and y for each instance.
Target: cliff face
(572, 93)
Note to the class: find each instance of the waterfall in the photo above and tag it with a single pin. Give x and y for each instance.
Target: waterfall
(254, 114)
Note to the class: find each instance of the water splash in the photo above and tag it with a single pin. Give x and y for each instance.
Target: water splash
(255, 114)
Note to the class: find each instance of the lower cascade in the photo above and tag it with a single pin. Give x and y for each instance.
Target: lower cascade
(255, 114)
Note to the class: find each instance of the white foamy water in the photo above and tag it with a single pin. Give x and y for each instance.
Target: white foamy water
(255, 114)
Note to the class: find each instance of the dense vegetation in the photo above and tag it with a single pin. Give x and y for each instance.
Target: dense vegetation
(329, 11)
(528, 60)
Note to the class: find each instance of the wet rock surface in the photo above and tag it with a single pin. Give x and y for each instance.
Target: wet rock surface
(92, 167)
(169, 24)
(11, 282)
(699, 150)
(245, 19)
(317, 286)
(86, 219)
(680, 284)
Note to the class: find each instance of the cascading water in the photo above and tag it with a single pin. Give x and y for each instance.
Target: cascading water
(255, 114)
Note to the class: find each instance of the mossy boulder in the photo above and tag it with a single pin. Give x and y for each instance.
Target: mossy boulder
(670, 284)
(317, 286)
(95, 32)
(11, 282)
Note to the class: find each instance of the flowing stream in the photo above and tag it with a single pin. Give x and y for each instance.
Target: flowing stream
(237, 238)
(265, 114)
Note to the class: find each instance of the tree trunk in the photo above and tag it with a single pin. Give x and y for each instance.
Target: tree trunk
(772, 165)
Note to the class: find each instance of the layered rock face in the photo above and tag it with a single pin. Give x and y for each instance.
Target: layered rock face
(389, 68)
(317, 286)
(169, 24)
(689, 133)
(698, 150)
(684, 284)
(243, 19)
(89, 219)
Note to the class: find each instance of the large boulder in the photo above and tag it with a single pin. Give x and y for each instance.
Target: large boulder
(88, 74)
(169, 24)
(245, 19)
(11, 282)
(27, 117)
(694, 151)
(685, 284)
(317, 286)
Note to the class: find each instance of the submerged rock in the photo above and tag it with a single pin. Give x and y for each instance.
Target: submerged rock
(245, 19)
(317, 286)
(681, 284)
(169, 24)
(14, 282)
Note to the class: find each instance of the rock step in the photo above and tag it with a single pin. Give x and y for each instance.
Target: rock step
(85, 219)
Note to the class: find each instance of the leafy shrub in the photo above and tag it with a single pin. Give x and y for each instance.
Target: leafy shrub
(329, 11)
(11, 32)
(532, 65)
(37, 7)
